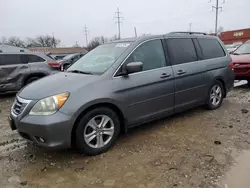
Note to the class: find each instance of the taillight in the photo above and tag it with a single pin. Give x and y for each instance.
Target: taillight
(54, 64)
(231, 66)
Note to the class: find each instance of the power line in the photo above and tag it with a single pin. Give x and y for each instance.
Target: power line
(119, 21)
(86, 34)
(217, 8)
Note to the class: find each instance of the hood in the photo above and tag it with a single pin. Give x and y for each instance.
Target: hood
(55, 84)
(244, 58)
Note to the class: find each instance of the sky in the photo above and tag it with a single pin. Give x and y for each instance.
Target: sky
(66, 18)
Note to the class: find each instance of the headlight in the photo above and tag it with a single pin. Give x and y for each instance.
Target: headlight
(49, 105)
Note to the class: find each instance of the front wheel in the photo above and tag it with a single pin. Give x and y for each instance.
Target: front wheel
(215, 96)
(97, 131)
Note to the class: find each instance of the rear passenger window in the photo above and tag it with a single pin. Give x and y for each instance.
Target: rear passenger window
(211, 48)
(10, 59)
(26, 58)
(150, 53)
(181, 51)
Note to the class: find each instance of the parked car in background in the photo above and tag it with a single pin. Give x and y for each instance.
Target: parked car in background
(241, 62)
(231, 47)
(69, 60)
(120, 85)
(18, 69)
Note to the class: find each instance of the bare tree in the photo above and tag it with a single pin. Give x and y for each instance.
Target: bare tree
(47, 41)
(30, 42)
(96, 42)
(15, 41)
(3, 40)
(221, 29)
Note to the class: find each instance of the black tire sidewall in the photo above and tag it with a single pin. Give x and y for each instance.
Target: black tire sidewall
(81, 145)
(209, 103)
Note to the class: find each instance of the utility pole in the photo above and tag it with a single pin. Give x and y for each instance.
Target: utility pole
(53, 41)
(86, 34)
(119, 18)
(135, 31)
(217, 8)
(190, 26)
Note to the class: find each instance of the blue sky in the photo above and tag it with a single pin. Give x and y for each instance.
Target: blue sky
(66, 18)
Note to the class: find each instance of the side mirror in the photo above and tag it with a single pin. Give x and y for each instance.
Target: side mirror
(134, 67)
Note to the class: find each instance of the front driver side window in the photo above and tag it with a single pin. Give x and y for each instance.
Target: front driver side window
(150, 53)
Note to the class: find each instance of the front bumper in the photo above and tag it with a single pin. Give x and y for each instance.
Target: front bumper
(52, 131)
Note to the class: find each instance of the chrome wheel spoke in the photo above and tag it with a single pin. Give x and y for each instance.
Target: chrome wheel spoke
(108, 131)
(218, 90)
(90, 137)
(92, 123)
(104, 121)
(99, 142)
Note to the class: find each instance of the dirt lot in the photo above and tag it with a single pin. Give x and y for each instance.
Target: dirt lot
(193, 149)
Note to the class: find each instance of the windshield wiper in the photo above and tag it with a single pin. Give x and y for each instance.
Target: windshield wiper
(80, 72)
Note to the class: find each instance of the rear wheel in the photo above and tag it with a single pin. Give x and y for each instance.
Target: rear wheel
(215, 96)
(248, 83)
(97, 131)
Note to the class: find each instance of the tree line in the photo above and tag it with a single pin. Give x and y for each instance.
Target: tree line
(39, 41)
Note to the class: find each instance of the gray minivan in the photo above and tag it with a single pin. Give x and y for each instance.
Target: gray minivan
(120, 85)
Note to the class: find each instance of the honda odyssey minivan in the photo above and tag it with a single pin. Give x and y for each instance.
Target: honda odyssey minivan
(120, 85)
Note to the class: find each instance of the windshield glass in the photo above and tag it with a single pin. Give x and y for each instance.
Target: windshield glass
(243, 49)
(69, 56)
(100, 59)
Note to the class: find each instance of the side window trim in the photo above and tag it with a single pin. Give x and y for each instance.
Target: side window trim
(198, 49)
(125, 59)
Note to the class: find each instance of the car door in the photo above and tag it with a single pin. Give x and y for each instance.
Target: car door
(149, 93)
(189, 72)
(12, 71)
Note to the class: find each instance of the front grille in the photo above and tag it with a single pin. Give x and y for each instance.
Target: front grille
(241, 70)
(18, 106)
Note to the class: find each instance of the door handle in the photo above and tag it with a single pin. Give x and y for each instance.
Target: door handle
(165, 75)
(180, 72)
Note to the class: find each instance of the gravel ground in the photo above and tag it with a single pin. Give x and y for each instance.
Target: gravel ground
(192, 149)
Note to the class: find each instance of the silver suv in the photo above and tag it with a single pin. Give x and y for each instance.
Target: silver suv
(121, 85)
(18, 69)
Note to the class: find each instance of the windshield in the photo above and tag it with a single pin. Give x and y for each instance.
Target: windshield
(100, 59)
(69, 56)
(243, 49)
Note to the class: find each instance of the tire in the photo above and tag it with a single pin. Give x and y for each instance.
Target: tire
(89, 128)
(248, 83)
(31, 79)
(215, 101)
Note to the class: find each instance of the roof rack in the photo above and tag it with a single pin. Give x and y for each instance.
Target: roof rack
(187, 32)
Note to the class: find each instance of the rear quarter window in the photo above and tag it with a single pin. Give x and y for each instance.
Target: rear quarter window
(211, 48)
(26, 58)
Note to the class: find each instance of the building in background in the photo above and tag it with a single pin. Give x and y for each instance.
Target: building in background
(236, 36)
(59, 53)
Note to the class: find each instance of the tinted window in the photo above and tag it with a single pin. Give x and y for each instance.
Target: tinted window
(211, 48)
(26, 58)
(8, 59)
(181, 51)
(150, 53)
